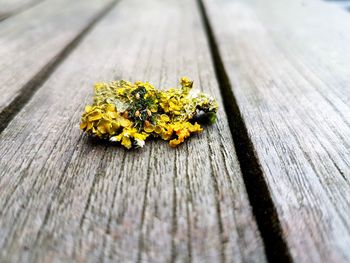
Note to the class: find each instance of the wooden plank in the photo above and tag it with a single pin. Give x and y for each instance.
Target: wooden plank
(288, 66)
(66, 197)
(12, 7)
(33, 41)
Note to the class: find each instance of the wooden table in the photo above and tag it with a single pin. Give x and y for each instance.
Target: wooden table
(270, 181)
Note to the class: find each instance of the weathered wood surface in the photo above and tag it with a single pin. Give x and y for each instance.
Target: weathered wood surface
(12, 7)
(64, 197)
(33, 41)
(288, 63)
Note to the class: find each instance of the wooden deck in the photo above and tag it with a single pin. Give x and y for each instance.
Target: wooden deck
(270, 181)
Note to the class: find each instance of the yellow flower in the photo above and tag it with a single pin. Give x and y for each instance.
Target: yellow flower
(130, 112)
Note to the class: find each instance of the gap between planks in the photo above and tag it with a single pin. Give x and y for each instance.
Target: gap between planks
(259, 196)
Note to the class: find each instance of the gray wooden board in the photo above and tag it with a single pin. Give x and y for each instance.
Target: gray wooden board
(65, 197)
(289, 68)
(32, 39)
(11, 7)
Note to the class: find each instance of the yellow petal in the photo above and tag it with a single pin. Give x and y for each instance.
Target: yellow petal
(174, 143)
(102, 129)
(89, 126)
(83, 125)
(124, 122)
(95, 116)
(158, 129)
(148, 129)
(88, 108)
(140, 136)
(126, 142)
(99, 85)
(154, 109)
(110, 107)
(164, 118)
(166, 136)
(104, 126)
(112, 114)
(185, 81)
(114, 127)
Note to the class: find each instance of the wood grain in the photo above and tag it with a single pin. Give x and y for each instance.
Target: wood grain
(288, 66)
(32, 41)
(13, 7)
(65, 197)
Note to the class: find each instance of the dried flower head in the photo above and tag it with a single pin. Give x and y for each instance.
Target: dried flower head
(131, 112)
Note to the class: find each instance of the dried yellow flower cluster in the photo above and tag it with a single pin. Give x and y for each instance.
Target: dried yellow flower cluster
(130, 113)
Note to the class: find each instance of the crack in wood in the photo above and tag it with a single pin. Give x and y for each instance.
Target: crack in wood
(143, 212)
(258, 192)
